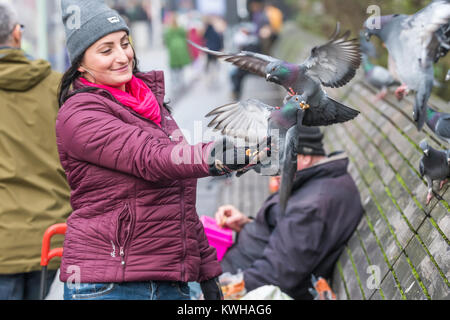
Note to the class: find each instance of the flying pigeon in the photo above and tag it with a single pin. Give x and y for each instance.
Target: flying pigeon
(252, 120)
(378, 76)
(433, 166)
(333, 64)
(439, 123)
(413, 48)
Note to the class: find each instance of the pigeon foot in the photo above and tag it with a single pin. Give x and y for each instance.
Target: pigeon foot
(401, 92)
(443, 182)
(291, 92)
(381, 95)
(429, 197)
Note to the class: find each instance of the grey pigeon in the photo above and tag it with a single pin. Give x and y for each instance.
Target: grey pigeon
(333, 65)
(413, 47)
(378, 76)
(443, 36)
(252, 121)
(366, 46)
(433, 166)
(439, 123)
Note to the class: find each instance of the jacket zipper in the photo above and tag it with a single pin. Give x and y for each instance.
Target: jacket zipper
(183, 231)
(127, 236)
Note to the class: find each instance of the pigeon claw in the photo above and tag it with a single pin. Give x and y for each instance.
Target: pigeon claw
(304, 105)
(443, 182)
(429, 197)
(401, 92)
(291, 92)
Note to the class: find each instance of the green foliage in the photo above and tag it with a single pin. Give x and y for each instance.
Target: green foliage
(320, 17)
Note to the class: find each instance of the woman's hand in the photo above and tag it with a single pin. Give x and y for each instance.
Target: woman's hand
(230, 217)
(226, 157)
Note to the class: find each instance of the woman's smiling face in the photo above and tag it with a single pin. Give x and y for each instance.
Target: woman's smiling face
(109, 61)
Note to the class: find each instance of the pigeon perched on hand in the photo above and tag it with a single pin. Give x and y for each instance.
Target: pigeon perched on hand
(439, 123)
(433, 166)
(253, 121)
(413, 47)
(333, 64)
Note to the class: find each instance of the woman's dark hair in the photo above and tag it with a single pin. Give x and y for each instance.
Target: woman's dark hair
(72, 74)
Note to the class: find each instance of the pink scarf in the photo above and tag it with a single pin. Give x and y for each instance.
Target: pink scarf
(137, 96)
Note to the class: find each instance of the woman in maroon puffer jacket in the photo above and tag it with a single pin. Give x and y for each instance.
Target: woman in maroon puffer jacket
(134, 232)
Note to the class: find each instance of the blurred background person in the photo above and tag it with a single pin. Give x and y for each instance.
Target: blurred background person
(214, 41)
(33, 189)
(261, 21)
(243, 39)
(179, 57)
(275, 17)
(195, 35)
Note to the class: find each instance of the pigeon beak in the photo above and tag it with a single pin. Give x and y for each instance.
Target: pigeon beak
(426, 152)
(273, 79)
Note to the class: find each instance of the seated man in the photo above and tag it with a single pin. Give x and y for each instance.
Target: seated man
(322, 212)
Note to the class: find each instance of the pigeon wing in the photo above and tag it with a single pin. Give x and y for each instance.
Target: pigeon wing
(443, 126)
(429, 19)
(335, 63)
(245, 119)
(427, 22)
(421, 168)
(253, 62)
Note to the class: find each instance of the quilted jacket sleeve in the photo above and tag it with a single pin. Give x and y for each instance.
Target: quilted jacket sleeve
(88, 131)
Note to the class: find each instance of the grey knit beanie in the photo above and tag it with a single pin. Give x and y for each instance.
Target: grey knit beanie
(310, 141)
(86, 21)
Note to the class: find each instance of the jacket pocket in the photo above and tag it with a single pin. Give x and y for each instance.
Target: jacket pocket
(92, 290)
(124, 224)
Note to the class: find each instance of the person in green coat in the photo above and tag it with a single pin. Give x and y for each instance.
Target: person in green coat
(179, 57)
(34, 193)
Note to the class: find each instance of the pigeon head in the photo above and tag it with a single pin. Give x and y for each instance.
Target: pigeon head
(374, 25)
(286, 115)
(296, 101)
(280, 72)
(425, 147)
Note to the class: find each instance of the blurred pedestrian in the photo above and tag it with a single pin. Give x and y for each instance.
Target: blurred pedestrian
(262, 24)
(147, 7)
(275, 17)
(175, 40)
(195, 35)
(134, 232)
(33, 189)
(243, 39)
(214, 41)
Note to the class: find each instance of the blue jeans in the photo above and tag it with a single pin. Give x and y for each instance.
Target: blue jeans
(143, 290)
(23, 286)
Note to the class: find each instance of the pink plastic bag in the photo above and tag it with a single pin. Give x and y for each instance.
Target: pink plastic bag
(218, 237)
